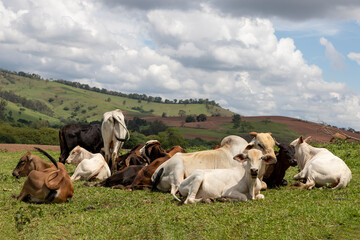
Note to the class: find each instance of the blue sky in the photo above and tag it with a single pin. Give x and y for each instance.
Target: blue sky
(255, 57)
(346, 39)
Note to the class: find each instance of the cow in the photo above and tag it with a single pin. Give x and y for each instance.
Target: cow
(50, 185)
(132, 157)
(89, 165)
(274, 175)
(114, 131)
(169, 175)
(143, 177)
(86, 136)
(120, 179)
(319, 167)
(29, 162)
(240, 182)
(125, 177)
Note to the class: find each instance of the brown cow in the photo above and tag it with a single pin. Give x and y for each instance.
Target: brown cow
(143, 178)
(48, 185)
(132, 157)
(30, 162)
(126, 176)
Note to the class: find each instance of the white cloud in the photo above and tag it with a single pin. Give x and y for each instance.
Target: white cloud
(355, 57)
(183, 52)
(336, 58)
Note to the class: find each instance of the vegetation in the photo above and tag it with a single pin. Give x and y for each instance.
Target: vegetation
(103, 213)
(60, 103)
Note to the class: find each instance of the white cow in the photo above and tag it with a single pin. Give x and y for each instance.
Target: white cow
(113, 130)
(319, 166)
(171, 173)
(181, 165)
(89, 165)
(237, 183)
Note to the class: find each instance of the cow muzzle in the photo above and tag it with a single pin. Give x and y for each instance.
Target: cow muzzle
(293, 162)
(15, 174)
(254, 172)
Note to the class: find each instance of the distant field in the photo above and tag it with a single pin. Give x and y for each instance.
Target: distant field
(81, 104)
(103, 213)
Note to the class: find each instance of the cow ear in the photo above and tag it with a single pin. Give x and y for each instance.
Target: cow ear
(308, 139)
(248, 147)
(301, 140)
(240, 157)
(268, 159)
(29, 158)
(253, 134)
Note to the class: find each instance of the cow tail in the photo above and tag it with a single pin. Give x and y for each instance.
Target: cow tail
(48, 155)
(157, 179)
(54, 179)
(344, 180)
(124, 126)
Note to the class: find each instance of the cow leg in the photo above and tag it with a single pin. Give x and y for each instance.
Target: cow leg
(176, 179)
(263, 186)
(190, 187)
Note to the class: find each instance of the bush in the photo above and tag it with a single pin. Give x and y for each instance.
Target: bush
(190, 118)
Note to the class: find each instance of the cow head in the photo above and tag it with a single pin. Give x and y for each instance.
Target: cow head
(75, 156)
(300, 145)
(286, 155)
(152, 150)
(264, 142)
(24, 166)
(174, 150)
(254, 159)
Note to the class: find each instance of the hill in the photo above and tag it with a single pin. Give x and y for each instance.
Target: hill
(31, 99)
(59, 103)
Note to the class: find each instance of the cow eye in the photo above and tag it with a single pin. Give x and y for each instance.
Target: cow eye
(261, 146)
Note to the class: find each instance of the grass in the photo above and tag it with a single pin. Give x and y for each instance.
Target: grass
(87, 105)
(103, 213)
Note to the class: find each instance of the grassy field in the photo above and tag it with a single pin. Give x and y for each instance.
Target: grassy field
(81, 104)
(103, 213)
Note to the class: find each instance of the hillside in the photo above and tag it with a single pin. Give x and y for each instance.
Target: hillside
(59, 104)
(69, 103)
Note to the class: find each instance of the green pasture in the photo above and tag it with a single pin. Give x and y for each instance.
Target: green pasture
(279, 131)
(103, 213)
(80, 104)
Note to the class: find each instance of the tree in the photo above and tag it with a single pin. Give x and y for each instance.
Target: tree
(201, 118)
(172, 137)
(236, 120)
(190, 118)
(3, 104)
(182, 113)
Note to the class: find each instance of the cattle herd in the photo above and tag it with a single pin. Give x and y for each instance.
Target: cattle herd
(234, 170)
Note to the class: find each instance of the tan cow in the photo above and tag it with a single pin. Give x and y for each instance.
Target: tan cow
(51, 184)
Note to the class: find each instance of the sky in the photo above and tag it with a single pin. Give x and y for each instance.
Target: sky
(254, 57)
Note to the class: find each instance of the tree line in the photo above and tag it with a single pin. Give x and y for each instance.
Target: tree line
(141, 97)
(28, 103)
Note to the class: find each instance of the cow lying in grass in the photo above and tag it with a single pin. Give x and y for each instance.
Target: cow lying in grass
(319, 167)
(238, 183)
(89, 165)
(171, 173)
(49, 185)
(274, 175)
(126, 176)
(143, 177)
(30, 162)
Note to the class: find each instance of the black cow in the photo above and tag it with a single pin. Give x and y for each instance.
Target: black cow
(86, 136)
(274, 175)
